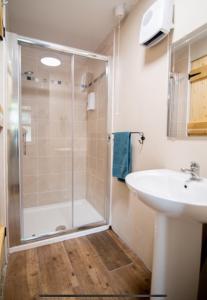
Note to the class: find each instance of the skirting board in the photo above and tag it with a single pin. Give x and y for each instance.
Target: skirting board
(58, 239)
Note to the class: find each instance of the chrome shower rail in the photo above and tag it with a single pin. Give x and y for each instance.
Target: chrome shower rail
(48, 45)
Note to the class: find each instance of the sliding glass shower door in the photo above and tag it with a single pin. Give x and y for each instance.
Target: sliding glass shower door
(90, 141)
(46, 124)
(58, 117)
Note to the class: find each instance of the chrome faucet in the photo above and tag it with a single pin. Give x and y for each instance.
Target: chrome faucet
(194, 171)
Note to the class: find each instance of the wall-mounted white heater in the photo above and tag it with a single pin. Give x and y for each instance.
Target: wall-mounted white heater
(156, 23)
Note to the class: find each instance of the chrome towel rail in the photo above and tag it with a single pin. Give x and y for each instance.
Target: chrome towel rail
(141, 136)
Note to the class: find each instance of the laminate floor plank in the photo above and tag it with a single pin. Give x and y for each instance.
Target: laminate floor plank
(16, 286)
(102, 278)
(137, 262)
(56, 272)
(80, 266)
(96, 264)
(97, 271)
(126, 249)
(111, 254)
(32, 273)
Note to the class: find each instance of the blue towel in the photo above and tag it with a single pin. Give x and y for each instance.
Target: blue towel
(122, 155)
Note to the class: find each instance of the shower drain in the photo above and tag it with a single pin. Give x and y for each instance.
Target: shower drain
(60, 227)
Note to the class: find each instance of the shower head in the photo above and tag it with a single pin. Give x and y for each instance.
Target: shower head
(28, 73)
(86, 81)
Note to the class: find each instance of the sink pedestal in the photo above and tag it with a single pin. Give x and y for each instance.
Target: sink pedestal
(176, 258)
(181, 207)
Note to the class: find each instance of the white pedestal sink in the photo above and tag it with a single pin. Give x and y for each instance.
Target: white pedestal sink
(181, 209)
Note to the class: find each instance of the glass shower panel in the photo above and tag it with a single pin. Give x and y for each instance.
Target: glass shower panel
(90, 141)
(46, 143)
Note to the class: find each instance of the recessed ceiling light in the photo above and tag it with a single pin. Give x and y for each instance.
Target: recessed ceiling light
(50, 61)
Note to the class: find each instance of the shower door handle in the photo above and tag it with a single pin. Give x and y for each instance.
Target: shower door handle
(24, 135)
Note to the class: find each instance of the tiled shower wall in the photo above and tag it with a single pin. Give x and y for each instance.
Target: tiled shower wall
(47, 164)
(97, 143)
(55, 125)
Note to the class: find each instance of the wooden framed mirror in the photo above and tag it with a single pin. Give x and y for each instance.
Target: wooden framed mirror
(197, 124)
(187, 97)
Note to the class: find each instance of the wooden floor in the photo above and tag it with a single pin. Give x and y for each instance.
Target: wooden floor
(98, 263)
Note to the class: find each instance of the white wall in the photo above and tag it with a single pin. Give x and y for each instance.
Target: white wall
(142, 105)
(189, 15)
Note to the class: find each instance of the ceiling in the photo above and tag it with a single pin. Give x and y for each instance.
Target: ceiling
(77, 23)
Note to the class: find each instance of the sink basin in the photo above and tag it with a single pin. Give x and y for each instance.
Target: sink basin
(170, 193)
(181, 207)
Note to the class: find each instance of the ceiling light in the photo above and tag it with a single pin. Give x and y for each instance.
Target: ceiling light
(50, 61)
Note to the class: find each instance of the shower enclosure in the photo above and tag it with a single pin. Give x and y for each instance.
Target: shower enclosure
(57, 142)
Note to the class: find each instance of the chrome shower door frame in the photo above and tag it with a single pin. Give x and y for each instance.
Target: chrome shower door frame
(14, 222)
(15, 214)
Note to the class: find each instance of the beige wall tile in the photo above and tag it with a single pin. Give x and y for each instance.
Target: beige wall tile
(58, 165)
(43, 183)
(69, 180)
(57, 181)
(79, 179)
(32, 149)
(101, 170)
(79, 185)
(79, 158)
(51, 182)
(97, 147)
(43, 107)
(31, 105)
(44, 165)
(102, 149)
(80, 129)
(101, 128)
(100, 188)
(29, 200)
(57, 109)
(91, 191)
(91, 128)
(80, 144)
(29, 165)
(92, 165)
(43, 129)
(53, 197)
(44, 147)
(57, 128)
(68, 195)
(79, 192)
(29, 184)
(92, 147)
